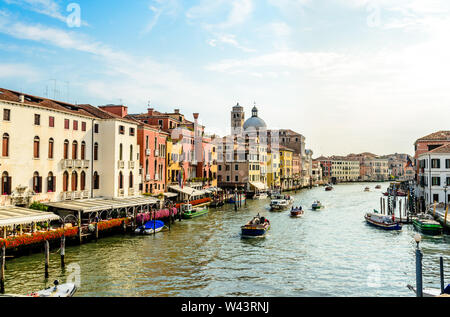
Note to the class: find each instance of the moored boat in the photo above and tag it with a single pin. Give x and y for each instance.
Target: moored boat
(151, 227)
(367, 189)
(317, 205)
(297, 212)
(189, 212)
(378, 187)
(427, 225)
(63, 290)
(430, 292)
(259, 196)
(257, 227)
(382, 221)
(329, 188)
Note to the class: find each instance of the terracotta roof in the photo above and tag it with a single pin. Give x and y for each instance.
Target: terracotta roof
(14, 96)
(436, 136)
(444, 149)
(103, 114)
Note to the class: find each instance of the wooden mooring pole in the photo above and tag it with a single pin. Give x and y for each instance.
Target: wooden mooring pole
(63, 251)
(441, 271)
(2, 270)
(47, 257)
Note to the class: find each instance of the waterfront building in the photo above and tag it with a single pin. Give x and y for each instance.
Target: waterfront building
(273, 168)
(376, 169)
(286, 172)
(297, 170)
(317, 177)
(434, 175)
(340, 169)
(55, 151)
(173, 167)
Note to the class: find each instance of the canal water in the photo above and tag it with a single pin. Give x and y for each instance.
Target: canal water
(331, 252)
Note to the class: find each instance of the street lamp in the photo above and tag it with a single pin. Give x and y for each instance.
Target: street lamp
(445, 196)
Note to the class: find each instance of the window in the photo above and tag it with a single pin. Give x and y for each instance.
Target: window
(120, 180)
(236, 178)
(74, 181)
(447, 181)
(66, 150)
(436, 181)
(132, 131)
(75, 125)
(5, 145)
(96, 181)
(120, 152)
(51, 122)
(37, 183)
(96, 128)
(6, 115)
(131, 152)
(83, 181)
(6, 184)
(83, 150)
(96, 152)
(83, 126)
(36, 148)
(37, 119)
(51, 144)
(447, 163)
(121, 129)
(65, 181)
(51, 183)
(160, 123)
(74, 150)
(435, 163)
(66, 124)
(436, 198)
(236, 167)
(131, 180)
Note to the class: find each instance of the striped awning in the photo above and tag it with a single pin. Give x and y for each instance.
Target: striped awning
(188, 190)
(259, 185)
(10, 216)
(95, 205)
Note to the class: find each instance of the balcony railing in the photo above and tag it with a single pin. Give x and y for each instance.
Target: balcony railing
(121, 193)
(68, 196)
(85, 194)
(131, 192)
(78, 163)
(67, 163)
(76, 195)
(86, 163)
(147, 152)
(147, 178)
(121, 164)
(131, 165)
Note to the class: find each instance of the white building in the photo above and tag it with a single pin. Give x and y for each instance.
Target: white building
(434, 175)
(54, 151)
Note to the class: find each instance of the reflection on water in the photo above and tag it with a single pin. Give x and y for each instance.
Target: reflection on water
(331, 252)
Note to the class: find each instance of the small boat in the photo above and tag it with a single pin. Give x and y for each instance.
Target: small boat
(278, 204)
(329, 188)
(151, 227)
(257, 227)
(427, 225)
(63, 290)
(378, 187)
(239, 199)
(217, 203)
(189, 212)
(297, 212)
(259, 196)
(317, 205)
(430, 292)
(382, 221)
(367, 189)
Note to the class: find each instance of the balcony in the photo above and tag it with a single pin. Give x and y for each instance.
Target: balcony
(121, 164)
(147, 152)
(86, 163)
(67, 196)
(131, 165)
(78, 163)
(157, 177)
(67, 164)
(131, 192)
(76, 195)
(147, 178)
(121, 192)
(156, 153)
(85, 194)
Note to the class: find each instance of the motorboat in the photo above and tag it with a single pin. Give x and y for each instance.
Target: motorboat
(151, 227)
(278, 204)
(257, 227)
(317, 205)
(297, 212)
(260, 196)
(383, 221)
(189, 212)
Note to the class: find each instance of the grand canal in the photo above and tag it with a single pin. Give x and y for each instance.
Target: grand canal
(332, 252)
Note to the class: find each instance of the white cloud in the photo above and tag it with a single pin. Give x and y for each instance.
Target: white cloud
(229, 39)
(15, 70)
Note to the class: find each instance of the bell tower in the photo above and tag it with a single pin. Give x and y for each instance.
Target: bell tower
(237, 119)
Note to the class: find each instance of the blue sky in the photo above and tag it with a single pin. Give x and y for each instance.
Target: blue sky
(351, 75)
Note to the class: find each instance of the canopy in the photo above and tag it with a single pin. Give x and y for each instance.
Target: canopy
(259, 185)
(187, 190)
(170, 195)
(10, 216)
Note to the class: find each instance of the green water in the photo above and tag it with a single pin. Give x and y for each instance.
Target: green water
(331, 252)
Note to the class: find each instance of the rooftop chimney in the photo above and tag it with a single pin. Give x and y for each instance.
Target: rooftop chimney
(21, 98)
(177, 111)
(195, 116)
(150, 111)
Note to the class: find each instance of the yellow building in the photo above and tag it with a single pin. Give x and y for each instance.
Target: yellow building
(273, 170)
(173, 167)
(286, 173)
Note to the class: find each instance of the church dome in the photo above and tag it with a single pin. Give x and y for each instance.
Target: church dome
(255, 122)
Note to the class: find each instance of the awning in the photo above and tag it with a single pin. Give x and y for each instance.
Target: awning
(259, 185)
(185, 190)
(10, 216)
(95, 205)
(170, 195)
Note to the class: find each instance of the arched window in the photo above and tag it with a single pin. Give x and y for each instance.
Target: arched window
(65, 181)
(120, 180)
(131, 180)
(95, 151)
(146, 167)
(66, 149)
(6, 184)
(83, 150)
(36, 147)
(74, 181)
(51, 144)
(5, 145)
(37, 183)
(74, 150)
(51, 183)
(96, 181)
(83, 181)
(131, 152)
(120, 152)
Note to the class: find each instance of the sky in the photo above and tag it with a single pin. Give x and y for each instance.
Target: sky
(350, 75)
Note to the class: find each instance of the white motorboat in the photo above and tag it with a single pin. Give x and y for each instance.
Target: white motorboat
(63, 290)
(259, 196)
(427, 292)
(279, 204)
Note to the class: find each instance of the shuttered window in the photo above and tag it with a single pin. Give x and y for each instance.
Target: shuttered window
(5, 145)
